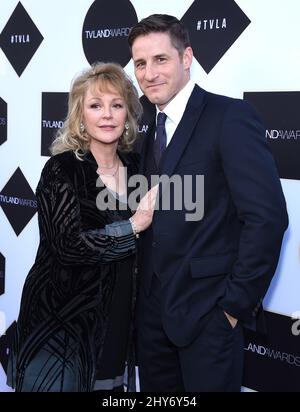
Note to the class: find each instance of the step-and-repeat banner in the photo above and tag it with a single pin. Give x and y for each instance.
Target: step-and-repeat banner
(245, 49)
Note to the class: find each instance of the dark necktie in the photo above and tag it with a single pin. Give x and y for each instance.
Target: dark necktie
(160, 142)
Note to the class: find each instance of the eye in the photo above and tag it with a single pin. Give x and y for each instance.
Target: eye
(139, 65)
(94, 105)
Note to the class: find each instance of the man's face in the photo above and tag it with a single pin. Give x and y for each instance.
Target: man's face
(159, 69)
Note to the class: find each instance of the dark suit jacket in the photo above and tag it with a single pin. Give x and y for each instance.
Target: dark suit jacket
(227, 258)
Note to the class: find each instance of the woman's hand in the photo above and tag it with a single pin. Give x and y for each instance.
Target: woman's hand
(142, 218)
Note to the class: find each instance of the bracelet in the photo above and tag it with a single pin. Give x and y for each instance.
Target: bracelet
(134, 228)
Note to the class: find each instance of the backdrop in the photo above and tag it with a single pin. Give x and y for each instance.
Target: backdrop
(245, 49)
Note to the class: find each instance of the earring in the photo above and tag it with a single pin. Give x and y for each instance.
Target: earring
(126, 128)
(81, 127)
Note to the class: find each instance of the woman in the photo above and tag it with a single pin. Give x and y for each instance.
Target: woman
(76, 309)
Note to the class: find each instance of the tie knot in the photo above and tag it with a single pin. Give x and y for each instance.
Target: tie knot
(161, 119)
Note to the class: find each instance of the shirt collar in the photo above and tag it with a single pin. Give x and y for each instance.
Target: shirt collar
(175, 109)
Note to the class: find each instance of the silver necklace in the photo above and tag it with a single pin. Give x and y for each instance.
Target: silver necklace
(109, 167)
(107, 174)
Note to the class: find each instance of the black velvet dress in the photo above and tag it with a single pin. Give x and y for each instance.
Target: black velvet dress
(110, 370)
(81, 284)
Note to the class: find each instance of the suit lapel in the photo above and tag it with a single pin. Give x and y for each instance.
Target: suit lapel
(184, 131)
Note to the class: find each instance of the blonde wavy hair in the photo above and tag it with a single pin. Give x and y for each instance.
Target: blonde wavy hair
(100, 76)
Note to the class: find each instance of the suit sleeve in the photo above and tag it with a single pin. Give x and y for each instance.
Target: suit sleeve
(60, 225)
(256, 191)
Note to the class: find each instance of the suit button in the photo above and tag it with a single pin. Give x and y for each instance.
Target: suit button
(154, 244)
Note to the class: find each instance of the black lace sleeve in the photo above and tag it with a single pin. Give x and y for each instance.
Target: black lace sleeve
(59, 221)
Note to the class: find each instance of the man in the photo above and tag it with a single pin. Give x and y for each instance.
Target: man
(202, 281)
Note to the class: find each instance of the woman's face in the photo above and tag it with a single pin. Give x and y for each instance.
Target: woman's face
(104, 115)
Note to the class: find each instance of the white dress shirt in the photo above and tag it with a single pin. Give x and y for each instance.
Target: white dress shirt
(175, 109)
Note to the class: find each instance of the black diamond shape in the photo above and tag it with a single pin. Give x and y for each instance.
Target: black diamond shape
(5, 342)
(18, 201)
(20, 39)
(3, 121)
(2, 274)
(214, 25)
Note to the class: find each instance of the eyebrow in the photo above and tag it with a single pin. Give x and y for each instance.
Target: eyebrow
(138, 61)
(115, 99)
(100, 98)
(161, 55)
(156, 56)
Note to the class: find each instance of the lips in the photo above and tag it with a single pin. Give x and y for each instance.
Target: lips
(107, 127)
(154, 85)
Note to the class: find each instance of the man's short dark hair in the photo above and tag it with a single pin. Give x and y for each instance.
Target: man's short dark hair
(162, 23)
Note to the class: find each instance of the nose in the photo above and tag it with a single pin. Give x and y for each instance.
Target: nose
(107, 113)
(150, 73)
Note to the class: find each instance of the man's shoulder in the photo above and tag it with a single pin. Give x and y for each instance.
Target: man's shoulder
(216, 97)
(224, 102)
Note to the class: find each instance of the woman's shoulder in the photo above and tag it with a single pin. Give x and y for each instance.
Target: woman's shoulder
(61, 161)
(59, 165)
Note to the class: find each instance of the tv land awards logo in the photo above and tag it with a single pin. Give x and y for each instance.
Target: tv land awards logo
(148, 117)
(18, 201)
(2, 274)
(3, 121)
(105, 31)
(54, 111)
(214, 25)
(20, 39)
(280, 113)
(272, 361)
